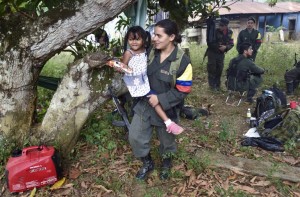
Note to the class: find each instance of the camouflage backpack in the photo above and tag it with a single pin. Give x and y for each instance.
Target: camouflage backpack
(287, 129)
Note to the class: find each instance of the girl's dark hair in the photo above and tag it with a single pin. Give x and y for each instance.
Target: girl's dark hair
(136, 31)
(170, 27)
(244, 46)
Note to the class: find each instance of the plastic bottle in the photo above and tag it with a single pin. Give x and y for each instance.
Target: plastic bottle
(248, 115)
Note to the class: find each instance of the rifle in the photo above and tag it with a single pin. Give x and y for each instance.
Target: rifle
(210, 33)
(296, 62)
(121, 111)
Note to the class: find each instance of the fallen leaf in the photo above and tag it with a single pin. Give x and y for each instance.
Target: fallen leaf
(225, 184)
(32, 193)
(261, 183)
(232, 177)
(237, 171)
(291, 160)
(83, 185)
(68, 185)
(179, 190)
(245, 188)
(191, 179)
(253, 179)
(58, 184)
(102, 188)
(66, 192)
(189, 172)
(297, 194)
(74, 173)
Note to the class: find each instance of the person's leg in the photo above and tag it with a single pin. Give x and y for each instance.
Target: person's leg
(219, 69)
(289, 78)
(140, 133)
(172, 127)
(253, 57)
(211, 69)
(254, 83)
(167, 148)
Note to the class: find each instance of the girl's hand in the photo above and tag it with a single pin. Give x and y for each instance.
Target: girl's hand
(119, 66)
(153, 100)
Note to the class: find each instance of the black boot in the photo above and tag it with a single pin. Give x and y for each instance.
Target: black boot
(165, 169)
(289, 88)
(148, 166)
(250, 95)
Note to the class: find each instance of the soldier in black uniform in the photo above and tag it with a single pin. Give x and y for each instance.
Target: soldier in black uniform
(216, 50)
(249, 74)
(250, 35)
(292, 79)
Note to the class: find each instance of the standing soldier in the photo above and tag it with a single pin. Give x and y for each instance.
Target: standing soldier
(250, 35)
(222, 42)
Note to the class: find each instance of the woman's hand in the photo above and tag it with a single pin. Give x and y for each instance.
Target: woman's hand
(153, 100)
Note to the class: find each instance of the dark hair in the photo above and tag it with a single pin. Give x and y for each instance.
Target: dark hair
(224, 21)
(101, 33)
(244, 46)
(136, 31)
(170, 27)
(251, 19)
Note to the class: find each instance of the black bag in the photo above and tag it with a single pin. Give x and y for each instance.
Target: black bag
(272, 98)
(266, 143)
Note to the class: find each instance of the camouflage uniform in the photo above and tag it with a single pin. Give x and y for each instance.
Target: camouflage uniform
(288, 130)
(292, 79)
(253, 37)
(145, 118)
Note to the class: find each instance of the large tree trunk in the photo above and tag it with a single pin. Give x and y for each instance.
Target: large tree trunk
(26, 46)
(82, 90)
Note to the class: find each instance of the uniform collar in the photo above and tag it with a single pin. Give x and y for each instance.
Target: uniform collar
(172, 57)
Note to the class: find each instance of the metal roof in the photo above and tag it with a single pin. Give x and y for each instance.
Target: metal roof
(248, 7)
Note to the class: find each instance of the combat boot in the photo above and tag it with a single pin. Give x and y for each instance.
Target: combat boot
(250, 95)
(289, 88)
(166, 169)
(148, 166)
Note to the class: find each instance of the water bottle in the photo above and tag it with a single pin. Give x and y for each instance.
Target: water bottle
(248, 115)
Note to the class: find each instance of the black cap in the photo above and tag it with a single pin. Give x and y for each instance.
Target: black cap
(224, 21)
(251, 19)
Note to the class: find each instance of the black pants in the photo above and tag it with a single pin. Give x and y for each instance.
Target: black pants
(215, 67)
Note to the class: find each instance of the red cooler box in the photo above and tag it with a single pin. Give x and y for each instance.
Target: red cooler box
(35, 166)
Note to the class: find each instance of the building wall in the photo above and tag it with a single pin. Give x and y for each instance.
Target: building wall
(239, 22)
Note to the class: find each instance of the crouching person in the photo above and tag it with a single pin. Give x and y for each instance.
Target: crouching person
(253, 71)
(170, 87)
(292, 79)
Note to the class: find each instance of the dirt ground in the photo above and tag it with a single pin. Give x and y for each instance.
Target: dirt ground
(90, 174)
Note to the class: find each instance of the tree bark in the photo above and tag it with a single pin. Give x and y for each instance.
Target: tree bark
(83, 89)
(25, 49)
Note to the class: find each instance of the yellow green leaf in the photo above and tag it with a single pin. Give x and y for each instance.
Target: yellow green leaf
(32, 193)
(58, 184)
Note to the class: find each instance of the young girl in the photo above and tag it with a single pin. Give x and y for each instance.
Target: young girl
(135, 76)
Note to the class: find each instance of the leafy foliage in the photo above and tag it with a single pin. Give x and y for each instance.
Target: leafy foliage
(33, 8)
(181, 10)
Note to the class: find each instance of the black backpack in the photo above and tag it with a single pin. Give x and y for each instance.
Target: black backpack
(272, 98)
